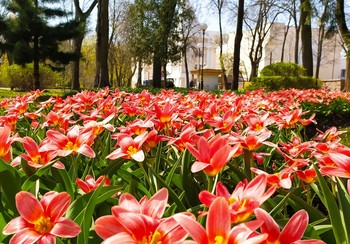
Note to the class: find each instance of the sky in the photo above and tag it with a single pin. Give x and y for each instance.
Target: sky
(208, 14)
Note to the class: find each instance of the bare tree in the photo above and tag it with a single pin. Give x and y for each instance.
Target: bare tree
(267, 12)
(219, 4)
(81, 16)
(188, 28)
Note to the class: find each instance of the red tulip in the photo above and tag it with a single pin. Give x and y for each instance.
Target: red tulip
(218, 227)
(212, 155)
(41, 221)
(243, 200)
(292, 232)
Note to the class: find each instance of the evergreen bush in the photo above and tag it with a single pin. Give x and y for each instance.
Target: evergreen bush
(21, 77)
(282, 75)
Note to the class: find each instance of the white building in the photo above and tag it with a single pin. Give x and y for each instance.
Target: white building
(333, 59)
(332, 63)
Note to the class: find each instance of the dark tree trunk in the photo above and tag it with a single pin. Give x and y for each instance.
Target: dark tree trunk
(186, 70)
(284, 40)
(157, 72)
(296, 47)
(306, 37)
(319, 50)
(36, 63)
(237, 46)
(101, 78)
(77, 43)
(345, 33)
(139, 73)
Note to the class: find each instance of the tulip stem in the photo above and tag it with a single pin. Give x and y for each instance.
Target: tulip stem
(210, 183)
(248, 160)
(214, 184)
(147, 177)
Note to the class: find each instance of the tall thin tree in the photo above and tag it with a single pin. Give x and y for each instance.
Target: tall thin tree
(345, 33)
(306, 36)
(237, 45)
(81, 16)
(102, 30)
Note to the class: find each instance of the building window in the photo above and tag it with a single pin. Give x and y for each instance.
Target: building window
(342, 74)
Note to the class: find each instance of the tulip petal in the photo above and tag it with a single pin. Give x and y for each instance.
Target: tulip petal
(86, 151)
(193, 228)
(139, 156)
(28, 206)
(123, 237)
(206, 198)
(58, 205)
(198, 166)
(107, 226)
(15, 225)
(218, 219)
(155, 206)
(25, 236)
(129, 202)
(269, 226)
(65, 228)
(295, 228)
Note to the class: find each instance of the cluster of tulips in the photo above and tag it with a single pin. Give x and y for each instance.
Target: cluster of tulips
(121, 167)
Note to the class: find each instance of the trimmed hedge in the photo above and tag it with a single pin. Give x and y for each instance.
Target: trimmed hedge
(275, 83)
(282, 75)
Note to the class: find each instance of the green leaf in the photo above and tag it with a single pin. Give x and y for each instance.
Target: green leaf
(62, 177)
(344, 202)
(314, 213)
(172, 193)
(191, 193)
(10, 185)
(333, 210)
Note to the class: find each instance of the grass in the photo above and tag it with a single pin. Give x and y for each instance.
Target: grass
(345, 138)
(47, 93)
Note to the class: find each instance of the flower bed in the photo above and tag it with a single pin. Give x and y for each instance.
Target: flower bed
(136, 167)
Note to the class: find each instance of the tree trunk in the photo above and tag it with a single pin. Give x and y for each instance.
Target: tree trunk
(139, 73)
(77, 43)
(306, 37)
(157, 72)
(296, 47)
(36, 57)
(237, 46)
(186, 70)
(345, 33)
(254, 71)
(284, 40)
(101, 78)
(319, 50)
(36, 63)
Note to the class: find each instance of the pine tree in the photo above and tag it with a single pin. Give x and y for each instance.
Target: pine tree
(35, 34)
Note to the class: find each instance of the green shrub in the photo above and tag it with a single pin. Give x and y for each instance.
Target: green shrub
(21, 77)
(275, 83)
(284, 69)
(281, 75)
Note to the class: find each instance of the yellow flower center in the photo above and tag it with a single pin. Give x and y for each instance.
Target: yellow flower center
(131, 150)
(38, 160)
(71, 146)
(43, 225)
(156, 238)
(219, 240)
